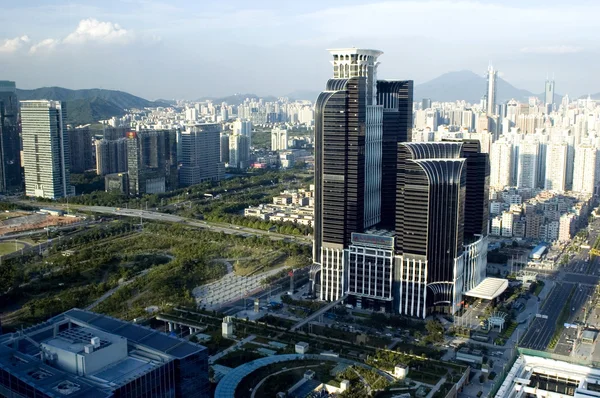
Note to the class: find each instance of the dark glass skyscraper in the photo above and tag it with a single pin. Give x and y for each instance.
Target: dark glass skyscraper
(359, 121)
(396, 97)
(11, 172)
(441, 248)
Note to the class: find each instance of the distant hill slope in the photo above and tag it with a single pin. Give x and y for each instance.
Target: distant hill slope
(89, 105)
(468, 86)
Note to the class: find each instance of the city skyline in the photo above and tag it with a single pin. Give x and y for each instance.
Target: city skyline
(90, 37)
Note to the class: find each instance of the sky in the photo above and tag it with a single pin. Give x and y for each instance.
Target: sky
(188, 49)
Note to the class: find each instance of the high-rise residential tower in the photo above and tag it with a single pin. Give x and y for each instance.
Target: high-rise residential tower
(501, 164)
(584, 170)
(239, 151)
(80, 140)
(148, 161)
(111, 156)
(200, 154)
(243, 127)
(491, 90)
(46, 149)
(555, 176)
(527, 168)
(11, 173)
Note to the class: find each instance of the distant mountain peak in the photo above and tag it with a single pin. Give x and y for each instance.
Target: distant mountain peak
(466, 85)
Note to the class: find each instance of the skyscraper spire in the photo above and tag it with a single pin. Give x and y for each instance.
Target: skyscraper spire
(491, 90)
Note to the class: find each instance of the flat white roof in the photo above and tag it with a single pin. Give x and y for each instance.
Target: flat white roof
(489, 288)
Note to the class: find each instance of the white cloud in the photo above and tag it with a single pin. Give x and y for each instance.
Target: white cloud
(93, 30)
(44, 45)
(552, 50)
(12, 45)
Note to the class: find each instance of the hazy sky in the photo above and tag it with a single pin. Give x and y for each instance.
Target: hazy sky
(194, 48)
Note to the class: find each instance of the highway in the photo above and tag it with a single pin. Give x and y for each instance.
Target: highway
(158, 216)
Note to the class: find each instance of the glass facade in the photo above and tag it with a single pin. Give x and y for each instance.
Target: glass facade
(11, 173)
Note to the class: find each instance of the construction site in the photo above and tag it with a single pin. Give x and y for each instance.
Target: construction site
(21, 221)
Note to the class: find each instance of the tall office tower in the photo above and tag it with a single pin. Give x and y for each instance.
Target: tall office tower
(426, 103)
(441, 250)
(148, 161)
(46, 149)
(501, 164)
(527, 167)
(111, 156)
(279, 139)
(224, 140)
(11, 174)
(549, 95)
(243, 127)
(556, 167)
(396, 97)
(491, 90)
(584, 170)
(80, 140)
(239, 151)
(348, 138)
(200, 154)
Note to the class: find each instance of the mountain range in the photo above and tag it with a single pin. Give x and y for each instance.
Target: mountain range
(454, 86)
(89, 105)
(468, 86)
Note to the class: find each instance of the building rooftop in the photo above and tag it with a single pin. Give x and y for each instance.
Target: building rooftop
(489, 288)
(87, 354)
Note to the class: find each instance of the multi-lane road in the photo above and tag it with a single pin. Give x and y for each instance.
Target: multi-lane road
(158, 216)
(542, 328)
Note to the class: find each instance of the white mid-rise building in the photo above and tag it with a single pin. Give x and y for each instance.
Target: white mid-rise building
(279, 139)
(46, 149)
(507, 224)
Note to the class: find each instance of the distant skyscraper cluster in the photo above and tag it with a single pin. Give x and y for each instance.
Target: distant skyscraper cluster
(391, 230)
(537, 147)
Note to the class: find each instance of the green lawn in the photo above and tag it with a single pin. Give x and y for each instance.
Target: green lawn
(10, 247)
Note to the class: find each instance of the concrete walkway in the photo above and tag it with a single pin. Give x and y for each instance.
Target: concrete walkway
(234, 347)
(436, 387)
(114, 289)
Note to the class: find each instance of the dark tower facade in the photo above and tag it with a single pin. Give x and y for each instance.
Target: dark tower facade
(396, 97)
(441, 224)
(11, 172)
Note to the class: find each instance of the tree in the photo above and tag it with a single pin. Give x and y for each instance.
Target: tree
(435, 331)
